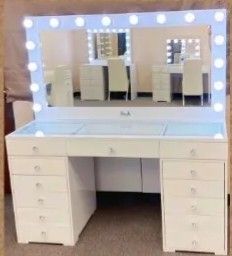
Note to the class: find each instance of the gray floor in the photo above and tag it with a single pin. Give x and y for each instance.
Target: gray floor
(128, 230)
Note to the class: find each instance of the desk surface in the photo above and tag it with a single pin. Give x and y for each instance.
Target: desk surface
(124, 129)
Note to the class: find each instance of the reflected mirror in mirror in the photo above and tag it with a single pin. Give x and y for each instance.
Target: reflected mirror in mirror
(140, 67)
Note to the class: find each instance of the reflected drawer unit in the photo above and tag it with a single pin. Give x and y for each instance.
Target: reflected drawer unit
(194, 200)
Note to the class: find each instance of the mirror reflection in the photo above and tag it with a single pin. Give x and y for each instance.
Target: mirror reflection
(140, 67)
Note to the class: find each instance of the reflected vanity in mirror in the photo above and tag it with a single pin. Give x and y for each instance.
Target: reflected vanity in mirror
(136, 67)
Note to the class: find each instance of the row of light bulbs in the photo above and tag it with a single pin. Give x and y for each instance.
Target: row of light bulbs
(133, 20)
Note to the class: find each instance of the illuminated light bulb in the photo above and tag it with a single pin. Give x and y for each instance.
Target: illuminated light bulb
(80, 22)
(197, 54)
(54, 22)
(89, 31)
(161, 18)
(37, 107)
(128, 59)
(218, 136)
(89, 37)
(169, 54)
(90, 59)
(32, 66)
(189, 17)
(39, 134)
(218, 107)
(219, 63)
(30, 45)
(127, 30)
(121, 30)
(176, 41)
(190, 40)
(218, 85)
(114, 30)
(34, 87)
(90, 52)
(106, 21)
(169, 47)
(219, 40)
(183, 41)
(169, 60)
(28, 23)
(219, 16)
(168, 41)
(134, 19)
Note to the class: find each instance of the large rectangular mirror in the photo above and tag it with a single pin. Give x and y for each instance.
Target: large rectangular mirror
(138, 67)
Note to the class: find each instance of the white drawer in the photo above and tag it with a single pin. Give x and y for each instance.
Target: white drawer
(194, 206)
(193, 188)
(113, 147)
(43, 216)
(38, 165)
(196, 170)
(193, 150)
(45, 234)
(195, 233)
(39, 184)
(36, 146)
(162, 95)
(25, 199)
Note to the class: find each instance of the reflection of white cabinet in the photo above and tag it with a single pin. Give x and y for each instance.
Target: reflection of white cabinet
(161, 86)
(92, 82)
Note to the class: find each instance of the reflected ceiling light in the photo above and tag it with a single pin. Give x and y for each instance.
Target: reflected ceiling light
(37, 107)
(32, 66)
(134, 19)
(106, 21)
(54, 22)
(28, 23)
(218, 107)
(219, 40)
(80, 22)
(219, 16)
(219, 63)
(218, 85)
(34, 87)
(218, 136)
(189, 17)
(190, 40)
(30, 45)
(161, 18)
(169, 47)
(39, 134)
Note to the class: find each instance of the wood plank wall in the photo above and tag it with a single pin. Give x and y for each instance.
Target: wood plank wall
(40, 7)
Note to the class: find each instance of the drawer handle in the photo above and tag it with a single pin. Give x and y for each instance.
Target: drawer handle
(193, 173)
(194, 225)
(41, 218)
(193, 208)
(194, 243)
(37, 168)
(111, 150)
(35, 149)
(193, 152)
(43, 233)
(193, 191)
(40, 201)
(38, 185)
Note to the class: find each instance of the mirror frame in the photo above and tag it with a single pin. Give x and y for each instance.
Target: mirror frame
(216, 18)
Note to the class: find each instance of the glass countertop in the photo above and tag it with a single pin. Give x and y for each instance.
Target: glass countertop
(123, 128)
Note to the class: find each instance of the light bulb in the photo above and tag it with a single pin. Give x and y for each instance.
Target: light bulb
(219, 40)
(197, 54)
(134, 19)
(39, 134)
(161, 18)
(169, 60)
(219, 63)
(32, 66)
(28, 23)
(169, 47)
(54, 22)
(218, 107)
(34, 87)
(189, 17)
(168, 41)
(218, 136)
(219, 16)
(128, 59)
(80, 22)
(30, 45)
(106, 21)
(190, 41)
(218, 85)
(183, 41)
(176, 41)
(37, 107)
(169, 54)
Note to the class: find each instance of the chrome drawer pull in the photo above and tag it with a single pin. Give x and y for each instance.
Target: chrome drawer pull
(43, 233)
(111, 150)
(193, 208)
(194, 243)
(40, 201)
(38, 185)
(194, 225)
(193, 152)
(41, 218)
(35, 149)
(37, 168)
(193, 173)
(193, 191)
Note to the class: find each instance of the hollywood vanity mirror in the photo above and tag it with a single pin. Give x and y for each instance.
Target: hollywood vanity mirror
(147, 89)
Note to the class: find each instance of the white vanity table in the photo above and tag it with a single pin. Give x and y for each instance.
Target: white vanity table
(52, 160)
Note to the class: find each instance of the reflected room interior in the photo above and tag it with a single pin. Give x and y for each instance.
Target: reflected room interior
(138, 67)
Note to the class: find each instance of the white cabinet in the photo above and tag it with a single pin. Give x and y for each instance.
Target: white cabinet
(161, 85)
(92, 83)
(194, 199)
